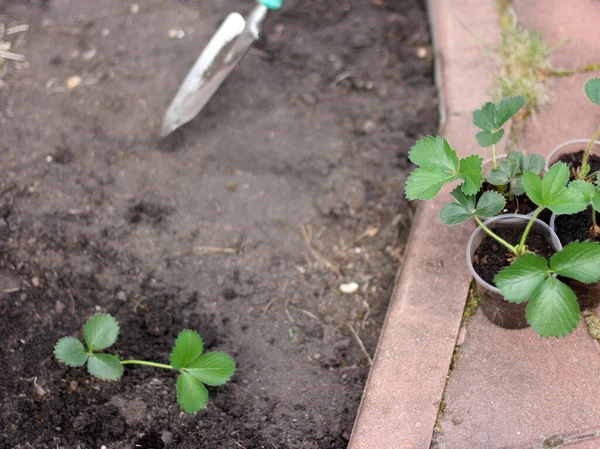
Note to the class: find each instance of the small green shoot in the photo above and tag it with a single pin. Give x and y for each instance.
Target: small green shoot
(552, 310)
(508, 176)
(438, 165)
(195, 369)
(491, 118)
(592, 91)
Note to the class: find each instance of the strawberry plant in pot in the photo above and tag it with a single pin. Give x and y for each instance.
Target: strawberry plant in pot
(504, 174)
(526, 270)
(195, 368)
(584, 168)
(579, 227)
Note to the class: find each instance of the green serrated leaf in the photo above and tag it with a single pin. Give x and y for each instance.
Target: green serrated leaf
(466, 200)
(434, 152)
(425, 183)
(592, 90)
(104, 366)
(551, 191)
(214, 368)
(191, 393)
(100, 332)
(555, 180)
(532, 184)
(188, 348)
(520, 281)
(507, 108)
(497, 177)
(471, 172)
(579, 261)
(490, 204)
(454, 213)
(534, 163)
(70, 351)
(517, 157)
(553, 311)
(485, 118)
(487, 139)
(567, 202)
(587, 190)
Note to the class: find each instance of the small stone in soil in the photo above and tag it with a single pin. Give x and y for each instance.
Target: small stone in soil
(229, 293)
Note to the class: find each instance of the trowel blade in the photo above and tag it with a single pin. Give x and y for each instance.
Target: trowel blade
(229, 44)
(204, 77)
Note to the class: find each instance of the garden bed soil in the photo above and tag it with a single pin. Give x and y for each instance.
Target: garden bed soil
(491, 257)
(242, 225)
(574, 159)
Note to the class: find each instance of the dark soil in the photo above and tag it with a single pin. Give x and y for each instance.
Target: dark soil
(573, 160)
(570, 228)
(242, 225)
(491, 257)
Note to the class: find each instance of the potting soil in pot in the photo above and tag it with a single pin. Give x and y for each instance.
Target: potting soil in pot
(573, 160)
(570, 228)
(491, 257)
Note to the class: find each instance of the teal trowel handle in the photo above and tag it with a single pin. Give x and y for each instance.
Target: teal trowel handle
(271, 4)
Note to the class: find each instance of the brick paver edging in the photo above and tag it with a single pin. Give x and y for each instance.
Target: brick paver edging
(406, 383)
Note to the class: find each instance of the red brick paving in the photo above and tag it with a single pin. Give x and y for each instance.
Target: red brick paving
(513, 389)
(576, 20)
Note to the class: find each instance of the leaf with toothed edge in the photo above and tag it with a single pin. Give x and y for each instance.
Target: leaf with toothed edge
(70, 351)
(523, 278)
(100, 332)
(592, 90)
(191, 393)
(579, 261)
(553, 311)
(471, 172)
(104, 366)
(552, 192)
(188, 348)
(214, 368)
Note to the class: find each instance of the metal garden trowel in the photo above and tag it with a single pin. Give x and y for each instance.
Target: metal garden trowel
(226, 48)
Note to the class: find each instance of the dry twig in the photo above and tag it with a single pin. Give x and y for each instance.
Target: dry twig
(360, 343)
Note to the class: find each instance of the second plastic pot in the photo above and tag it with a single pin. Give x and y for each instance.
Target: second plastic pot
(493, 305)
(571, 146)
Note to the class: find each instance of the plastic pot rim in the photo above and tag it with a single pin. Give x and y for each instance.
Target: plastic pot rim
(563, 145)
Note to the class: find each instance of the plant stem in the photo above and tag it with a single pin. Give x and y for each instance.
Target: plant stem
(495, 237)
(143, 362)
(594, 219)
(494, 156)
(587, 150)
(521, 246)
